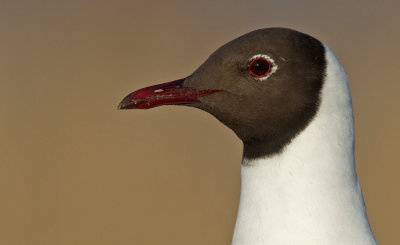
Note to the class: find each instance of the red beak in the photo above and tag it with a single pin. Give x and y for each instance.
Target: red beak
(171, 93)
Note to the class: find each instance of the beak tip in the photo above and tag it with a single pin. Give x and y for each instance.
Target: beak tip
(121, 106)
(124, 106)
(126, 103)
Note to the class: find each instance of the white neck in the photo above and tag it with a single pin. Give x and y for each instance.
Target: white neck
(309, 194)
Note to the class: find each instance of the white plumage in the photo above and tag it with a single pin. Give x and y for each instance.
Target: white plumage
(310, 193)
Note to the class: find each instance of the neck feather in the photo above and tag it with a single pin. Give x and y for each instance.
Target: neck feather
(309, 193)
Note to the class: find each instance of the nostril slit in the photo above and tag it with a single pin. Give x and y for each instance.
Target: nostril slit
(158, 90)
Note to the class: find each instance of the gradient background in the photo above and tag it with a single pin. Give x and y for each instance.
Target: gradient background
(74, 170)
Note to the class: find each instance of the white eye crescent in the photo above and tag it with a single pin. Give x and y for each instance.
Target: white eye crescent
(261, 66)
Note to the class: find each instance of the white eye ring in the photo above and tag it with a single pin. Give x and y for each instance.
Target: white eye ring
(272, 69)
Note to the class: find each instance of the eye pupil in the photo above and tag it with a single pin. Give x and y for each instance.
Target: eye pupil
(259, 67)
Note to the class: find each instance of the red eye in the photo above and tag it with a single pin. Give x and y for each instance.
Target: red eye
(260, 67)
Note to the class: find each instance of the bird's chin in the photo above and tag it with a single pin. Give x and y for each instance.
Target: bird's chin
(170, 93)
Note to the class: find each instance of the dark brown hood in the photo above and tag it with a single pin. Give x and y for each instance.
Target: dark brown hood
(265, 114)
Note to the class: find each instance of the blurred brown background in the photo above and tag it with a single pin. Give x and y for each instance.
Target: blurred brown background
(74, 170)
